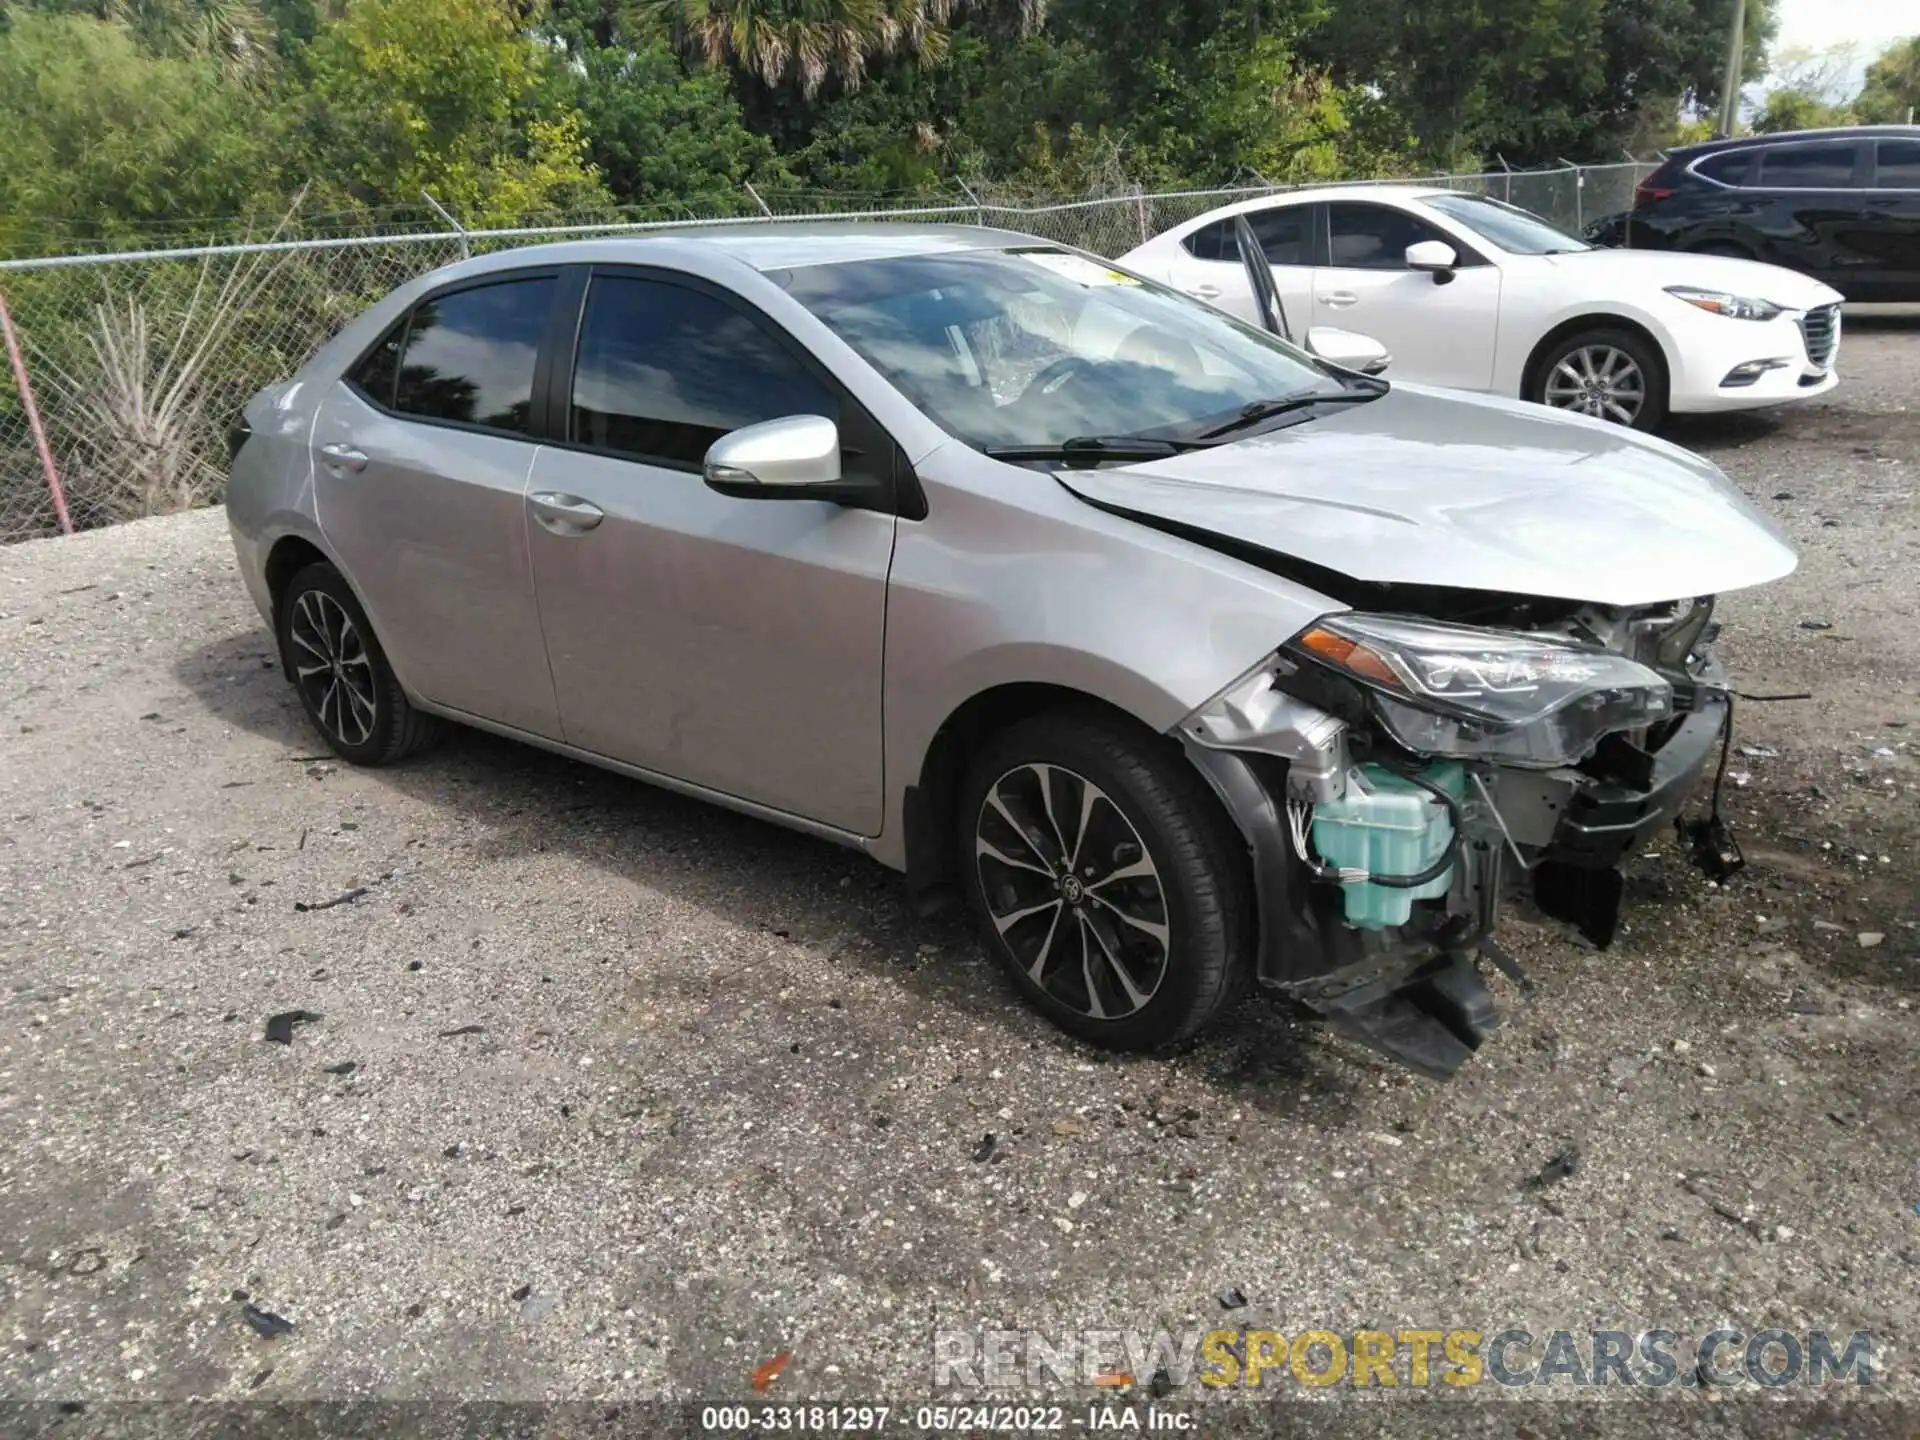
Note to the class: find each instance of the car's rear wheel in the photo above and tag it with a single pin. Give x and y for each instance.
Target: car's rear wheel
(1610, 374)
(1105, 878)
(336, 664)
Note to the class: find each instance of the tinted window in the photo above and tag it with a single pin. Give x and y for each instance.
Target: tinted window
(1285, 236)
(1373, 237)
(665, 371)
(374, 375)
(470, 355)
(1730, 167)
(1213, 242)
(1897, 165)
(1808, 167)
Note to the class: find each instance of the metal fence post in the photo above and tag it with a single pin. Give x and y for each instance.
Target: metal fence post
(466, 250)
(47, 467)
(1579, 185)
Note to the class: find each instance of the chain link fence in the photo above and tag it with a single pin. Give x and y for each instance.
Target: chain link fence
(137, 362)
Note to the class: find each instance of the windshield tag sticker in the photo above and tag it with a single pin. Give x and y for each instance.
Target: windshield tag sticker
(1079, 269)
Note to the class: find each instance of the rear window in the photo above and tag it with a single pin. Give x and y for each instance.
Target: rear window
(1897, 165)
(470, 355)
(1808, 167)
(1730, 167)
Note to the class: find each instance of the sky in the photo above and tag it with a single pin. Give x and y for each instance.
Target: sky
(1866, 24)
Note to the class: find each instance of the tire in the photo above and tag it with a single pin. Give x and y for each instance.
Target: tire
(1171, 859)
(334, 661)
(1585, 356)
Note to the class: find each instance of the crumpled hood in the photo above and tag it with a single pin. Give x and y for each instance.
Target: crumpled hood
(1432, 487)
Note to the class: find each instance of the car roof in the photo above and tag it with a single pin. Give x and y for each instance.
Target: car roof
(1779, 137)
(1352, 190)
(760, 245)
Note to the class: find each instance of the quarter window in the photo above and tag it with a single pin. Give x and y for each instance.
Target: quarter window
(1808, 167)
(664, 371)
(1897, 165)
(375, 374)
(470, 355)
(1375, 237)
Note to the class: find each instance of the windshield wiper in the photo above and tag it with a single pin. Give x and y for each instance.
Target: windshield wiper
(1090, 450)
(1284, 405)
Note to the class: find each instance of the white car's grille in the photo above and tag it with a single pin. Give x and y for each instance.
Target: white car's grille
(1820, 328)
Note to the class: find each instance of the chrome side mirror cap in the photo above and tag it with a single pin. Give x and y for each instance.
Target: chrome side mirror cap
(795, 457)
(1432, 255)
(1348, 350)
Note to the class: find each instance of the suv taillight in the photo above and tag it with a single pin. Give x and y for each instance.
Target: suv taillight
(1655, 187)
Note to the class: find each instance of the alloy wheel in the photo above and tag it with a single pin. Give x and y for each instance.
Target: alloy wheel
(1598, 380)
(332, 668)
(1072, 890)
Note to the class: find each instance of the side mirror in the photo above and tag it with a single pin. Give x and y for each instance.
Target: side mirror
(1348, 350)
(796, 457)
(1434, 256)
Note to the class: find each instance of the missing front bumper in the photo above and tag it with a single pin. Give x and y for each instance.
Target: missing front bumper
(1415, 993)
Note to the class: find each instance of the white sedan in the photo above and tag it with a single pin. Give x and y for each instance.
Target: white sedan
(1467, 292)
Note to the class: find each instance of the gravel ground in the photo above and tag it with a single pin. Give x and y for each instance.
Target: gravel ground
(615, 1095)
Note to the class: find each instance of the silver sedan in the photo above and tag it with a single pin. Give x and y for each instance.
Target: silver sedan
(1187, 658)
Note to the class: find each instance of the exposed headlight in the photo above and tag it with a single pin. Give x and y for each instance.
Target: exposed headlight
(1495, 694)
(1720, 302)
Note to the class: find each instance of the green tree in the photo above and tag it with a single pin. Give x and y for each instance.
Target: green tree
(1892, 92)
(1530, 82)
(449, 97)
(805, 41)
(656, 134)
(110, 142)
(1797, 110)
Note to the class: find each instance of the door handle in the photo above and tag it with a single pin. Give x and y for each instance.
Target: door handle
(565, 514)
(1340, 299)
(1205, 292)
(345, 456)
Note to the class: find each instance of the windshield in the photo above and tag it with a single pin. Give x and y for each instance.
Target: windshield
(1514, 230)
(1037, 346)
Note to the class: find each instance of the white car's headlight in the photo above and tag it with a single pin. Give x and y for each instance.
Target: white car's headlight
(1721, 302)
(1494, 694)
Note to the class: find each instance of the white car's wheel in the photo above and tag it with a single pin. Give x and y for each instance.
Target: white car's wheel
(1608, 374)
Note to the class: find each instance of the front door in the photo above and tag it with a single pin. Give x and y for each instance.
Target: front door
(1439, 330)
(421, 457)
(736, 644)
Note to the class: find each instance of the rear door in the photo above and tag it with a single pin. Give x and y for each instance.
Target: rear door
(735, 644)
(1818, 211)
(1440, 329)
(1207, 264)
(1892, 232)
(421, 457)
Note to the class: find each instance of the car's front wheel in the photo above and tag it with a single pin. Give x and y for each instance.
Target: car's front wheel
(1607, 373)
(335, 662)
(1105, 878)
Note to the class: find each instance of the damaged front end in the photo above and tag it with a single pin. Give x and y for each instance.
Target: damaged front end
(1393, 773)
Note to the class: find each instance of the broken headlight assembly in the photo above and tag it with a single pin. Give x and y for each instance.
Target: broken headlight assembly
(1473, 693)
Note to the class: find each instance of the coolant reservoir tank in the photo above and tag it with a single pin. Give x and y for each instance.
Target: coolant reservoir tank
(1386, 825)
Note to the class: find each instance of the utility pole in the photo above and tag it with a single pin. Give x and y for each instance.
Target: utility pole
(1730, 85)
